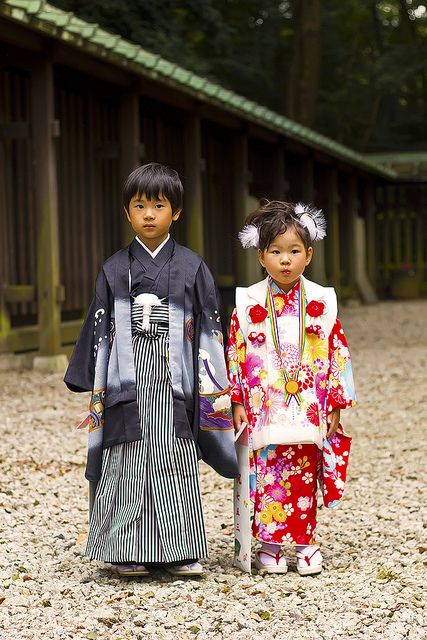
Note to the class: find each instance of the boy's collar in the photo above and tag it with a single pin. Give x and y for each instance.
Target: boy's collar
(154, 253)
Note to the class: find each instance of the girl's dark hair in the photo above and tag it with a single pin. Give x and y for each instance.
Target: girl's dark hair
(152, 180)
(276, 217)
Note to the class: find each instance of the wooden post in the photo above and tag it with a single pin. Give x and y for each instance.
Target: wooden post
(333, 228)
(193, 183)
(316, 270)
(49, 294)
(351, 215)
(130, 148)
(248, 268)
(420, 206)
(279, 188)
(356, 228)
(388, 218)
(4, 311)
(370, 211)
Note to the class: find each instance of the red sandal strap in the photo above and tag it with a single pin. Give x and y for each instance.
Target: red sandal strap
(307, 558)
(277, 555)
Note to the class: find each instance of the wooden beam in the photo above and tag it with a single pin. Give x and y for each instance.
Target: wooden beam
(20, 36)
(27, 338)
(130, 148)
(211, 113)
(258, 132)
(88, 65)
(193, 183)
(48, 284)
(165, 94)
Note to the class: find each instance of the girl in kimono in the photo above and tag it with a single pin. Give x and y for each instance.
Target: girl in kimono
(290, 370)
(151, 353)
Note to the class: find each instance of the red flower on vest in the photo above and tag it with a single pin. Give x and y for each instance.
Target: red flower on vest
(257, 337)
(257, 313)
(315, 329)
(315, 308)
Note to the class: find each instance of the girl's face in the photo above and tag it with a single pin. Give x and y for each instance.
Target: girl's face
(286, 259)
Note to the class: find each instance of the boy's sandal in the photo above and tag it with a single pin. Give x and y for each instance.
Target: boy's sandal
(193, 569)
(309, 565)
(131, 570)
(274, 567)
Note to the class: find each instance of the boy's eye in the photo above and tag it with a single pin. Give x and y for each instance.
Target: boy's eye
(275, 251)
(295, 250)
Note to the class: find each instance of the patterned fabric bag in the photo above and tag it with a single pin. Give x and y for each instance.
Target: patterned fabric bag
(242, 506)
(333, 462)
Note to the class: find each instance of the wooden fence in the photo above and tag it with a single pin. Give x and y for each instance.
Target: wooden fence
(221, 166)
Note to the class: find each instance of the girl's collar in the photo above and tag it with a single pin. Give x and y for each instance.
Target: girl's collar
(277, 290)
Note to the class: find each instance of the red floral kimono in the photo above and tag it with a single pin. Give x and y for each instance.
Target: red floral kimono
(284, 477)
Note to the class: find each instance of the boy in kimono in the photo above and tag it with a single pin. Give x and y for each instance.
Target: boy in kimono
(151, 353)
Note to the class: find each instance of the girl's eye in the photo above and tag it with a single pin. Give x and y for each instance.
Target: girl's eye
(275, 252)
(159, 206)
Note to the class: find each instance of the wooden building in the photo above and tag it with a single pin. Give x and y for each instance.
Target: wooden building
(81, 107)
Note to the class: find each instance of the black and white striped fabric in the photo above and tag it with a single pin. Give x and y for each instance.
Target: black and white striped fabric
(147, 505)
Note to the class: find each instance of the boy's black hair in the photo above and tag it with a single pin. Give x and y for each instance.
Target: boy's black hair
(152, 180)
(274, 218)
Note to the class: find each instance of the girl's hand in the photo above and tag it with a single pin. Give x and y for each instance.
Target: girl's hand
(239, 416)
(333, 421)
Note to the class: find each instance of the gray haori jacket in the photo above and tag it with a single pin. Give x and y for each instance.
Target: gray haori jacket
(103, 363)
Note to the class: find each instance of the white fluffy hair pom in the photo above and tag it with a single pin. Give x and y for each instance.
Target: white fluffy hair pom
(249, 236)
(312, 219)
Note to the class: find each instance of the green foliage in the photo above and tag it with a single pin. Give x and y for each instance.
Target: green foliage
(373, 78)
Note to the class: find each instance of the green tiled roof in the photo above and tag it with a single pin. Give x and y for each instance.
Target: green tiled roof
(65, 26)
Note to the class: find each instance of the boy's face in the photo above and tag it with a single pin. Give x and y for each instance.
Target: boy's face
(285, 259)
(151, 219)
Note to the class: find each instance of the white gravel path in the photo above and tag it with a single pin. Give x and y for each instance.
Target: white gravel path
(374, 543)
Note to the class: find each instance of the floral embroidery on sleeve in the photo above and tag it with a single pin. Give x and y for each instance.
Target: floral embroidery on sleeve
(341, 392)
(236, 357)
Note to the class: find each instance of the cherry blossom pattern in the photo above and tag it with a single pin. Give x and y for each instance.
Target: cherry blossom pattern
(285, 510)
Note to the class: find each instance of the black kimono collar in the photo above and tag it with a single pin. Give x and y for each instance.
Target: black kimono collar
(145, 259)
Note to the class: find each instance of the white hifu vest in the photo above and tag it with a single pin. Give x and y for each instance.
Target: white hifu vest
(290, 426)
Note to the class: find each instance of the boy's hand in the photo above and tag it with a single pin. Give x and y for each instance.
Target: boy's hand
(333, 421)
(239, 416)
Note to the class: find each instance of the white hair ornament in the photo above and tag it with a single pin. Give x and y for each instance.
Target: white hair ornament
(249, 236)
(312, 219)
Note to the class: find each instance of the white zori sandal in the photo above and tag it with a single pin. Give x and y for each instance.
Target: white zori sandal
(278, 564)
(131, 570)
(192, 569)
(309, 561)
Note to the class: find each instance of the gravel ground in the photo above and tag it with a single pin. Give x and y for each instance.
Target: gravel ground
(374, 544)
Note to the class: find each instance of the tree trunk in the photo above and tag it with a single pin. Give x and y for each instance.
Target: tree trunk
(304, 76)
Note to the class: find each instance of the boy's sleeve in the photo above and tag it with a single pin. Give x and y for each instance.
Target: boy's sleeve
(216, 433)
(80, 374)
(235, 355)
(341, 393)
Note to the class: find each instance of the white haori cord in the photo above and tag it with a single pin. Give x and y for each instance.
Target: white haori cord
(147, 301)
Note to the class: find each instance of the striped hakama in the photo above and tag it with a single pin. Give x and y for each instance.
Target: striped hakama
(147, 506)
